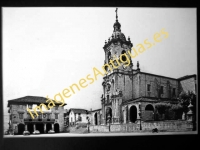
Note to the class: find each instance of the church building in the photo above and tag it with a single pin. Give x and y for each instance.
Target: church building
(129, 94)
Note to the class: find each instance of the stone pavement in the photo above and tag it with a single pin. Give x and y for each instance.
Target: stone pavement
(100, 134)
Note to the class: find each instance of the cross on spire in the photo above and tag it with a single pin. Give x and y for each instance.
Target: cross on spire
(116, 13)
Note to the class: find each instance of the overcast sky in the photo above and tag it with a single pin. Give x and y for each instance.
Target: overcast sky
(48, 49)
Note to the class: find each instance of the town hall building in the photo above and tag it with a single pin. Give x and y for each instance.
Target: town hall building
(47, 121)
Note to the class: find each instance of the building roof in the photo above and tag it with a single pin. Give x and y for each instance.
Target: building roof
(77, 111)
(187, 77)
(30, 100)
(95, 110)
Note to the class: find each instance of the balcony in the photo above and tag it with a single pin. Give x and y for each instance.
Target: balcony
(38, 120)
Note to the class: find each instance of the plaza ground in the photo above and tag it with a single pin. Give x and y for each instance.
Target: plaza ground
(101, 134)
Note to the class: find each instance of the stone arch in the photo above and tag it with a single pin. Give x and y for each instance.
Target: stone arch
(133, 113)
(149, 112)
(40, 127)
(30, 128)
(48, 127)
(149, 107)
(56, 128)
(21, 128)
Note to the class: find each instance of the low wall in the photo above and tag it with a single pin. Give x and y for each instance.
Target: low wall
(146, 126)
(99, 128)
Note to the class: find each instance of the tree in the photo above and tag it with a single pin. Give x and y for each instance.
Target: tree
(178, 109)
(162, 108)
(184, 100)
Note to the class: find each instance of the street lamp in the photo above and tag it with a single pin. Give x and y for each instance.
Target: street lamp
(88, 119)
(140, 115)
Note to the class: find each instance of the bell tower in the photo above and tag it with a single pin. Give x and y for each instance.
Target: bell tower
(116, 46)
(117, 62)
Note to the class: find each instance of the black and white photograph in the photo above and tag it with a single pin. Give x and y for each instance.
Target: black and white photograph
(99, 71)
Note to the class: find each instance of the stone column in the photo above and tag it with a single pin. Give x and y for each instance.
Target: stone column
(125, 115)
(26, 127)
(128, 115)
(52, 126)
(45, 128)
(74, 118)
(98, 118)
(117, 107)
(34, 127)
(103, 111)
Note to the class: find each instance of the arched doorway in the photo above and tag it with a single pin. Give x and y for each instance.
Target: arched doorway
(40, 127)
(133, 114)
(108, 115)
(149, 112)
(48, 127)
(21, 128)
(95, 119)
(56, 128)
(30, 128)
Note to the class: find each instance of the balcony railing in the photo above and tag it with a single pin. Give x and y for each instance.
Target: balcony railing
(38, 120)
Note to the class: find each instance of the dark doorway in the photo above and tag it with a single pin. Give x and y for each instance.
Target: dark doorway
(40, 127)
(56, 128)
(21, 128)
(30, 128)
(48, 127)
(95, 119)
(133, 114)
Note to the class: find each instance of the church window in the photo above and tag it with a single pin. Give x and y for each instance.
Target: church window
(56, 116)
(48, 116)
(161, 90)
(20, 116)
(174, 92)
(109, 56)
(124, 57)
(148, 87)
(107, 98)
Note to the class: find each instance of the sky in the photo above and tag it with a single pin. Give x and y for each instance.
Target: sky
(46, 50)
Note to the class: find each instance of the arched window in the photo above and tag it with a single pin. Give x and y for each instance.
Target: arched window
(124, 57)
(108, 99)
(109, 56)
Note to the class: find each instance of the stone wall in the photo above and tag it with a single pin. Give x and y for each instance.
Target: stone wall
(162, 81)
(146, 126)
(99, 128)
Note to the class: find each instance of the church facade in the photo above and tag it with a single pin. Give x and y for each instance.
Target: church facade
(130, 94)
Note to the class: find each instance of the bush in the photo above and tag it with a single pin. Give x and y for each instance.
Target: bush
(168, 111)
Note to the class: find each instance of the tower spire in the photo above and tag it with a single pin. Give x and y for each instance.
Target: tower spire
(116, 13)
